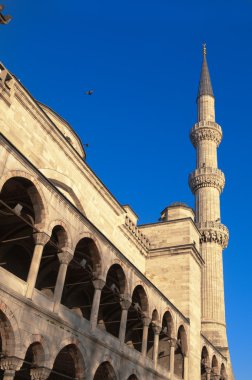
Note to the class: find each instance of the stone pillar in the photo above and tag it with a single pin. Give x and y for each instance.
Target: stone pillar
(40, 373)
(208, 373)
(41, 238)
(98, 285)
(125, 304)
(172, 355)
(185, 367)
(146, 323)
(156, 330)
(64, 258)
(10, 365)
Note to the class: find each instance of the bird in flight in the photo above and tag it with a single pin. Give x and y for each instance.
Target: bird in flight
(4, 19)
(89, 92)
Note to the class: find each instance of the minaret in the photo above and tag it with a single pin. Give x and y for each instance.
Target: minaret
(207, 183)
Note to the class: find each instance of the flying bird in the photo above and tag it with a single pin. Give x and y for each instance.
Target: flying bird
(4, 19)
(89, 92)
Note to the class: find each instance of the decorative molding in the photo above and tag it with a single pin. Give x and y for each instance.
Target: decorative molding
(214, 232)
(137, 234)
(206, 130)
(206, 177)
(11, 363)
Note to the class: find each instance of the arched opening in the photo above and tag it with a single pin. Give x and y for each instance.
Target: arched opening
(105, 371)
(132, 377)
(165, 340)
(138, 310)
(215, 368)
(34, 357)
(78, 289)
(180, 351)
(49, 265)
(205, 365)
(68, 364)
(7, 336)
(223, 373)
(1, 355)
(110, 310)
(20, 208)
(150, 340)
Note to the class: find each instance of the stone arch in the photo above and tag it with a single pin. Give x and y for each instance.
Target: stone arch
(34, 358)
(83, 269)
(166, 340)
(132, 377)
(41, 358)
(49, 264)
(214, 366)
(112, 294)
(137, 316)
(21, 210)
(9, 331)
(205, 362)
(69, 360)
(99, 260)
(105, 371)
(67, 241)
(38, 198)
(180, 352)
(223, 373)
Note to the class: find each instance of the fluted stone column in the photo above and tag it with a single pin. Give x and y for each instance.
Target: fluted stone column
(40, 373)
(125, 304)
(156, 330)
(41, 238)
(64, 258)
(207, 182)
(10, 365)
(98, 285)
(146, 323)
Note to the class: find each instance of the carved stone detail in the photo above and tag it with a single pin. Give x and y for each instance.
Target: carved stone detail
(206, 177)
(65, 256)
(206, 130)
(126, 301)
(41, 238)
(137, 234)
(41, 373)
(11, 363)
(213, 232)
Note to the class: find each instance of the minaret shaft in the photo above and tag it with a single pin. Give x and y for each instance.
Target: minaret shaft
(207, 182)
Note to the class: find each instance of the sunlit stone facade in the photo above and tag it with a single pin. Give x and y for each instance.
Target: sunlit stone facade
(85, 292)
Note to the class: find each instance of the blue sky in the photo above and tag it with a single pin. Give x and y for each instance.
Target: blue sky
(143, 59)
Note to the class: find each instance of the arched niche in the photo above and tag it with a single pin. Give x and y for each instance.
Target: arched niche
(105, 371)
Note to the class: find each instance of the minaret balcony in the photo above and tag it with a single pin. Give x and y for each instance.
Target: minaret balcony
(214, 232)
(206, 177)
(206, 130)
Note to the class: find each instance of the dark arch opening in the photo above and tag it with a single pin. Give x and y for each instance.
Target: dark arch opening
(78, 289)
(165, 340)
(33, 358)
(137, 312)
(204, 362)
(68, 364)
(132, 377)
(223, 373)
(49, 265)
(214, 369)
(180, 351)
(105, 371)
(110, 310)
(20, 208)
(1, 355)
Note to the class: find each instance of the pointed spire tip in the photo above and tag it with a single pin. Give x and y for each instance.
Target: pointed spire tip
(204, 49)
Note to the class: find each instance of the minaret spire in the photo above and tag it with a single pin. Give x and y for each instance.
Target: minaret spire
(207, 182)
(205, 85)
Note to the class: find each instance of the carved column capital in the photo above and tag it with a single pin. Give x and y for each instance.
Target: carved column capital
(41, 238)
(146, 321)
(11, 363)
(156, 329)
(126, 301)
(40, 373)
(65, 256)
(99, 283)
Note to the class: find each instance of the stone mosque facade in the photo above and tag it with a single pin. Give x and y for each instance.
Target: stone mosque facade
(85, 292)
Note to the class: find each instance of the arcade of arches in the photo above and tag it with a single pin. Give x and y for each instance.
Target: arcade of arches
(73, 279)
